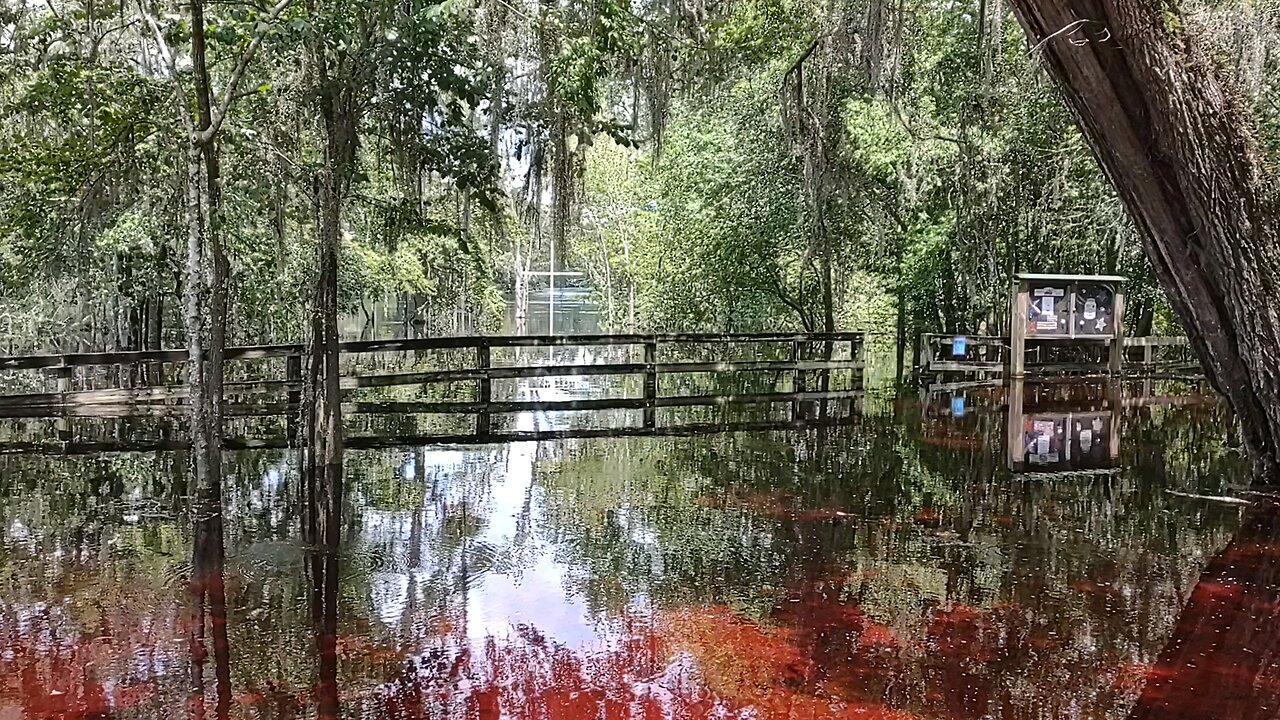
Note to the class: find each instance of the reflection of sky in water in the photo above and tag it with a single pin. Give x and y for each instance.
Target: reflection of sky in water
(496, 600)
(895, 562)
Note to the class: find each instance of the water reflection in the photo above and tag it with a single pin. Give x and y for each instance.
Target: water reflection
(208, 608)
(894, 568)
(1223, 656)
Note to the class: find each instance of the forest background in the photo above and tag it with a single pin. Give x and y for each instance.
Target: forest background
(730, 165)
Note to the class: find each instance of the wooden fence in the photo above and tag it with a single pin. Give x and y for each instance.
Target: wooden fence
(810, 360)
(985, 355)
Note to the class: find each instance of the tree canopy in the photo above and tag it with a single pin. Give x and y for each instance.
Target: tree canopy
(742, 164)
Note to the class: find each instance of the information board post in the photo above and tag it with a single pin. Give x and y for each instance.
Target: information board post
(1019, 307)
(1116, 359)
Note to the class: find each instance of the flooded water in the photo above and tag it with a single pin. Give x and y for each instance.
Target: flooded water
(894, 568)
(1038, 551)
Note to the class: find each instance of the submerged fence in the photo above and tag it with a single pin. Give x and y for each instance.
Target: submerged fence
(801, 370)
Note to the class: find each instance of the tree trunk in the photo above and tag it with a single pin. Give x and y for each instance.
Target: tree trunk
(324, 422)
(323, 469)
(900, 359)
(1181, 150)
(153, 335)
(205, 294)
(214, 261)
(828, 279)
(204, 319)
(197, 387)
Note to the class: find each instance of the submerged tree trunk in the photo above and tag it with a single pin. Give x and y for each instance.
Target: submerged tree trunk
(336, 89)
(1180, 148)
(322, 471)
(204, 314)
(206, 322)
(324, 422)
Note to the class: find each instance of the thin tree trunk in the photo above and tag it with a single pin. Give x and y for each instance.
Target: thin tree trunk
(197, 390)
(1181, 149)
(900, 359)
(828, 282)
(322, 471)
(201, 161)
(206, 297)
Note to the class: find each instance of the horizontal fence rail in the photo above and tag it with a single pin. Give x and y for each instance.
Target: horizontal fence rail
(1153, 357)
(258, 352)
(812, 358)
(94, 447)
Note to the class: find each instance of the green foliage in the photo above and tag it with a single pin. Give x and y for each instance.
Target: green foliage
(757, 31)
(485, 124)
(64, 149)
(965, 170)
(591, 40)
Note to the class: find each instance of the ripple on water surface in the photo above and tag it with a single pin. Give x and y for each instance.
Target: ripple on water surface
(883, 570)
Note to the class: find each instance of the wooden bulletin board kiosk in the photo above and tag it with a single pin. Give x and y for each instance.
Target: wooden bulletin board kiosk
(1067, 309)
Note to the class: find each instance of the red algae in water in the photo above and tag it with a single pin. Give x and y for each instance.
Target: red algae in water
(695, 663)
(928, 517)
(759, 667)
(67, 679)
(875, 635)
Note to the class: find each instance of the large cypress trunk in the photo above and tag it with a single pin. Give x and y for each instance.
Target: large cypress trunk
(1181, 150)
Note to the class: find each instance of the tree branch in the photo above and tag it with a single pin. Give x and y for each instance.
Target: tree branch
(228, 94)
(179, 92)
(800, 60)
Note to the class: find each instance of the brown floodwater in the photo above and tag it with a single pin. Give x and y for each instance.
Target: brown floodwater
(1085, 554)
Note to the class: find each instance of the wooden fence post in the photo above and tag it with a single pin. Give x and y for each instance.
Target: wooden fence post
(65, 374)
(651, 383)
(1019, 306)
(484, 421)
(293, 397)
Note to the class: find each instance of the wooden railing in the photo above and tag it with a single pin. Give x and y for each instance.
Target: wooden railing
(985, 355)
(980, 353)
(809, 353)
(1161, 356)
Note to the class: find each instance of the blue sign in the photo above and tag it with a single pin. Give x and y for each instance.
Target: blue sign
(957, 406)
(958, 344)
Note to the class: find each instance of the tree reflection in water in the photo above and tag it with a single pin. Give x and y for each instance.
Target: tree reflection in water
(208, 607)
(867, 572)
(323, 528)
(1223, 658)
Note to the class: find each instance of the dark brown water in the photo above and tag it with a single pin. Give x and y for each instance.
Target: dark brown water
(896, 568)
